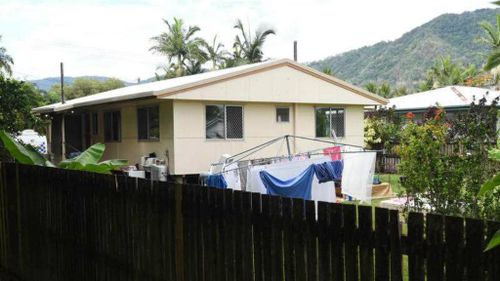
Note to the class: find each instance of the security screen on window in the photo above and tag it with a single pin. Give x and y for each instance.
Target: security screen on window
(328, 119)
(224, 122)
(282, 114)
(148, 123)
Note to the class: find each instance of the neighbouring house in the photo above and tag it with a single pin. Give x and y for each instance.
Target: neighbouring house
(191, 121)
(453, 99)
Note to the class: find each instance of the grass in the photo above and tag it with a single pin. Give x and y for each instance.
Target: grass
(393, 179)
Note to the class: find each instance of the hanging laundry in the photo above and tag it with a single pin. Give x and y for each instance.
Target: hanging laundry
(329, 171)
(357, 176)
(232, 176)
(216, 181)
(290, 169)
(297, 187)
(334, 152)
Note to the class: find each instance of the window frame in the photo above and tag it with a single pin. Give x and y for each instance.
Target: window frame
(119, 139)
(330, 120)
(148, 107)
(224, 106)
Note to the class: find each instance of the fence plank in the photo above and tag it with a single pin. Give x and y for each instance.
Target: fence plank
(288, 252)
(246, 236)
(267, 250)
(382, 252)
(298, 239)
(324, 245)
(229, 245)
(337, 234)
(454, 230)
(395, 246)
(415, 247)
(311, 245)
(365, 243)
(257, 234)
(276, 239)
(351, 242)
(474, 245)
(435, 253)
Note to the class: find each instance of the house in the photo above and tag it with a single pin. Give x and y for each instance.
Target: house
(454, 99)
(191, 121)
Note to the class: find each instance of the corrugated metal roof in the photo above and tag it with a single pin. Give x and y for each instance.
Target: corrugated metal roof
(171, 85)
(451, 96)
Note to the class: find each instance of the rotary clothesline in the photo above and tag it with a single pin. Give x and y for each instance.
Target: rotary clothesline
(266, 175)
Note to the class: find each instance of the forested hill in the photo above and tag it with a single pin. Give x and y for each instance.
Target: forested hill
(403, 62)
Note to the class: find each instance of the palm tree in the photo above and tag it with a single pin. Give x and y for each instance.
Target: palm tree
(179, 45)
(5, 60)
(251, 47)
(327, 70)
(215, 53)
(492, 38)
(371, 87)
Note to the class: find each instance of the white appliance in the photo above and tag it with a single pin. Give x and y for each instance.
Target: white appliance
(137, 174)
(158, 172)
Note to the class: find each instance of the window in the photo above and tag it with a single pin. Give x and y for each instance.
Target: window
(224, 122)
(148, 123)
(95, 123)
(328, 119)
(112, 126)
(282, 114)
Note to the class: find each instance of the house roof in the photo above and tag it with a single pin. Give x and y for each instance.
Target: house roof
(451, 96)
(175, 85)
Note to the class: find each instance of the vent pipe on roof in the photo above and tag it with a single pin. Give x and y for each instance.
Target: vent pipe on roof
(295, 50)
(62, 84)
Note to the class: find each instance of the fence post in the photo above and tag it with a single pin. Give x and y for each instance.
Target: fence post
(179, 241)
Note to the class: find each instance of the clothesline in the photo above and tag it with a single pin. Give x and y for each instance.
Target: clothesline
(279, 157)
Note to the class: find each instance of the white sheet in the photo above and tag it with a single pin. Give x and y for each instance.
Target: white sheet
(357, 176)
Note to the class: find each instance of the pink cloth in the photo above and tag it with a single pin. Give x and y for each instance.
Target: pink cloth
(334, 152)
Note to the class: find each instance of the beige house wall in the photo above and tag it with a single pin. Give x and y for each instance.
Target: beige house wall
(194, 153)
(130, 147)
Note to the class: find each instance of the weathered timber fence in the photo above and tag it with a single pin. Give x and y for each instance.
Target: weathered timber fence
(67, 225)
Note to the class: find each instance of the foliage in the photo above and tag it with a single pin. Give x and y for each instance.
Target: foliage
(327, 71)
(382, 129)
(82, 87)
(449, 182)
(5, 61)
(406, 59)
(250, 48)
(215, 53)
(86, 161)
(492, 39)
(385, 90)
(446, 72)
(17, 98)
(179, 45)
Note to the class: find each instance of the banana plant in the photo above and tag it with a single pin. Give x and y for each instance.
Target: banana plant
(86, 161)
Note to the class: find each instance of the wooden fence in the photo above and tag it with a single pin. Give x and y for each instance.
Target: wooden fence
(387, 163)
(68, 225)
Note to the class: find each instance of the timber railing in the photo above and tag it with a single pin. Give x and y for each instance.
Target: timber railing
(68, 225)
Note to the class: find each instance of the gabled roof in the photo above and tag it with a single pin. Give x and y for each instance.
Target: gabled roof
(176, 85)
(451, 96)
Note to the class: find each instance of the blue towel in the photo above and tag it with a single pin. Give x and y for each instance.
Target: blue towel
(297, 187)
(216, 181)
(329, 171)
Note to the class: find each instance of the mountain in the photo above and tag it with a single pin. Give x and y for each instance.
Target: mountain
(46, 83)
(403, 62)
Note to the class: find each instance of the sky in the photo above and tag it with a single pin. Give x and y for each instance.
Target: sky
(112, 37)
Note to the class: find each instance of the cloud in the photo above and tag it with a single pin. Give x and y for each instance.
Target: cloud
(112, 38)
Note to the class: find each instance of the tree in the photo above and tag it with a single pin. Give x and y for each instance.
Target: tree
(327, 70)
(492, 39)
(371, 87)
(17, 98)
(251, 47)
(446, 72)
(5, 61)
(83, 87)
(179, 44)
(215, 53)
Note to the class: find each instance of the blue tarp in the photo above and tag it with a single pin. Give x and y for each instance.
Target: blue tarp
(216, 181)
(297, 187)
(329, 171)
